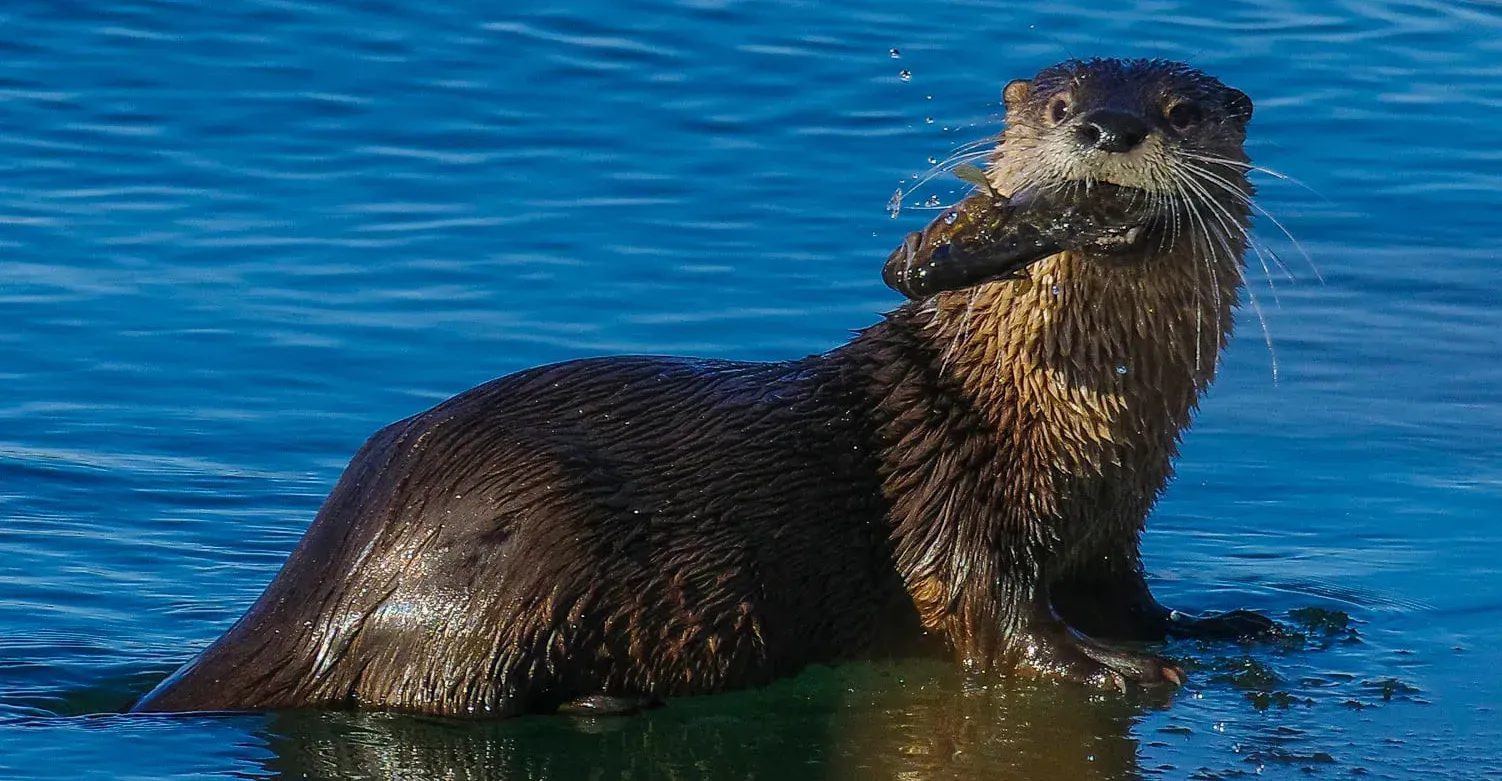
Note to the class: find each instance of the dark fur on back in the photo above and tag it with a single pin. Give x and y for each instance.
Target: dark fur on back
(636, 526)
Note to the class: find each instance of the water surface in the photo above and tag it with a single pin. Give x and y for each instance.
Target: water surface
(239, 237)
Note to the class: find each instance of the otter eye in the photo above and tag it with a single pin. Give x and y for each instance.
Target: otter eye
(1184, 115)
(1058, 109)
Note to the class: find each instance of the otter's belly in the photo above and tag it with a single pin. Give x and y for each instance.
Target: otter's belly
(633, 526)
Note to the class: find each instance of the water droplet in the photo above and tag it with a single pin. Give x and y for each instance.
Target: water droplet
(933, 201)
(928, 120)
(905, 75)
(894, 206)
(933, 161)
(1122, 370)
(950, 217)
(895, 54)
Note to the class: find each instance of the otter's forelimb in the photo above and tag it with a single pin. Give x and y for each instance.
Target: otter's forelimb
(1053, 648)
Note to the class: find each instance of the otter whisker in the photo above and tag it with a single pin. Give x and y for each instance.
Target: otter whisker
(1209, 175)
(1205, 257)
(1249, 166)
(1226, 221)
(1174, 239)
(1230, 224)
(1199, 309)
(988, 143)
(1231, 257)
(1267, 334)
(944, 167)
(1257, 246)
(1279, 261)
(1223, 217)
(1165, 196)
(1229, 187)
(973, 151)
(1251, 294)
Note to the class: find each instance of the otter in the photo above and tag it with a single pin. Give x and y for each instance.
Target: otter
(972, 473)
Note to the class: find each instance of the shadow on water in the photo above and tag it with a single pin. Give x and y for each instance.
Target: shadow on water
(859, 721)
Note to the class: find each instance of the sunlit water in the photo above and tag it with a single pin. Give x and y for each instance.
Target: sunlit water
(241, 236)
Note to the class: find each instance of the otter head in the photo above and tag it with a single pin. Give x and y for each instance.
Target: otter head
(1135, 327)
(1154, 126)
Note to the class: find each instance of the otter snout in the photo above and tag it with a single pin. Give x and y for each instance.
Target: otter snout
(1111, 131)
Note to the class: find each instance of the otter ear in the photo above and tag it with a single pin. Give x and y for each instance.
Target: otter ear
(1016, 92)
(1238, 105)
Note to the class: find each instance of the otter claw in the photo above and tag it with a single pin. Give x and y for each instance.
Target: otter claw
(1058, 652)
(1233, 625)
(1120, 681)
(1142, 668)
(1174, 675)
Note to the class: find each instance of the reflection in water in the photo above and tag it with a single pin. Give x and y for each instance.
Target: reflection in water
(1004, 730)
(861, 721)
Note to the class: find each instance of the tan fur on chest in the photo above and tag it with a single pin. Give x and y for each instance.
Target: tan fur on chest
(1086, 365)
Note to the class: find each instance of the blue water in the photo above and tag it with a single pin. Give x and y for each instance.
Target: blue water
(239, 237)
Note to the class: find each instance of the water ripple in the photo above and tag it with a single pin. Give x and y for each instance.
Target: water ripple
(241, 236)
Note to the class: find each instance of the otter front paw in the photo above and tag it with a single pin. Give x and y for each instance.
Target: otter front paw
(1234, 625)
(1056, 651)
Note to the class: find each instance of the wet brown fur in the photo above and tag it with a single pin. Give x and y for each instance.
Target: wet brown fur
(647, 527)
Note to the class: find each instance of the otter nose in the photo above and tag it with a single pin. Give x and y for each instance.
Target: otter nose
(1111, 131)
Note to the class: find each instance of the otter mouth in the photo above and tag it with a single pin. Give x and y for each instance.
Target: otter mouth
(988, 237)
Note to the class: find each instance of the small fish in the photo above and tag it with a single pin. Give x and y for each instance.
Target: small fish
(987, 237)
